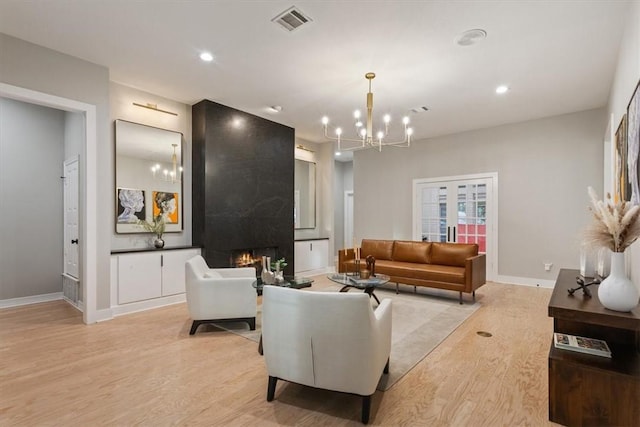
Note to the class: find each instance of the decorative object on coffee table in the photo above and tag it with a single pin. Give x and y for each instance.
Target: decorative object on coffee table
(267, 276)
(371, 264)
(616, 227)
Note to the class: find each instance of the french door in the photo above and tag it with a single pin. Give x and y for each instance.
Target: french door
(458, 209)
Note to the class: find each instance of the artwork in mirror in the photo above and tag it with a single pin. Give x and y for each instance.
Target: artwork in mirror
(304, 207)
(148, 174)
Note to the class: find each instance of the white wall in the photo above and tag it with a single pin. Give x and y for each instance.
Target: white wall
(34, 67)
(544, 167)
(31, 199)
(625, 81)
(122, 99)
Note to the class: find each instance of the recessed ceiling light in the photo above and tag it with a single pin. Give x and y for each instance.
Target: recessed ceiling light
(275, 109)
(206, 56)
(502, 89)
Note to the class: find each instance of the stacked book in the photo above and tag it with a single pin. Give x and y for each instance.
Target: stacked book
(581, 344)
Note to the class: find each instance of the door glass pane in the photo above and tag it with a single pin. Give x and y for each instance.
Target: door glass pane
(472, 201)
(434, 214)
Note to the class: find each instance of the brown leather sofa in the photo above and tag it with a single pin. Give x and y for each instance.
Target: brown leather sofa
(450, 266)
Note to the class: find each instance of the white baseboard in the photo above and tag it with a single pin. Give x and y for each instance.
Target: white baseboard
(525, 281)
(16, 302)
(134, 307)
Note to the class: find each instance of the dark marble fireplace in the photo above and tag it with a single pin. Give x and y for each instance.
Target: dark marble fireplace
(243, 172)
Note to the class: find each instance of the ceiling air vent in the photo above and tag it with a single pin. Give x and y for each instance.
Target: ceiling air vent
(421, 109)
(291, 19)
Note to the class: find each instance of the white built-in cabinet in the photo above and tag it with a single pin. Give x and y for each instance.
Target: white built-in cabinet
(144, 276)
(311, 255)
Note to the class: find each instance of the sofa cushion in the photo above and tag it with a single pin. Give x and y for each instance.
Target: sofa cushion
(408, 251)
(453, 254)
(380, 249)
(410, 270)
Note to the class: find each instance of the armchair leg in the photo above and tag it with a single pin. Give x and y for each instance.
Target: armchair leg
(271, 388)
(397, 288)
(252, 323)
(474, 296)
(194, 326)
(366, 408)
(460, 298)
(386, 367)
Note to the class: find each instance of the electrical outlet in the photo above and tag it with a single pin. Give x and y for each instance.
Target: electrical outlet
(547, 266)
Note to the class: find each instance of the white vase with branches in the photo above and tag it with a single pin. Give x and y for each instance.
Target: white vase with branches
(616, 226)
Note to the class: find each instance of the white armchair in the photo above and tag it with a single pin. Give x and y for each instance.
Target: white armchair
(328, 340)
(216, 295)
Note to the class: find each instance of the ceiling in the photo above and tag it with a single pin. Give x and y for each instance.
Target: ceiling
(556, 56)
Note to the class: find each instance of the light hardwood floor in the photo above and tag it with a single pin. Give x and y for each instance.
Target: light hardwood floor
(145, 369)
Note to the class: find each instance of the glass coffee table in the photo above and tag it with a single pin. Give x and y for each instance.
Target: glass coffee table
(296, 282)
(367, 285)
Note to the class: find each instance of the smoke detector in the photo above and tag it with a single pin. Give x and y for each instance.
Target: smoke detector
(471, 37)
(291, 19)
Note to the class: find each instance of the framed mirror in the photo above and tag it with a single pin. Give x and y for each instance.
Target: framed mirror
(148, 176)
(304, 198)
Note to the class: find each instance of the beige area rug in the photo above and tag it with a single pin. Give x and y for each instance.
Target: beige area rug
(420, 322)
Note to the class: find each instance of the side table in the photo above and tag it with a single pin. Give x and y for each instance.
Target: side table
(587, 390)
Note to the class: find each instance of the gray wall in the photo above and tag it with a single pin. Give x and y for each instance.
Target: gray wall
(626, 79)
(34, 67)
(31, 202)
(544, 167)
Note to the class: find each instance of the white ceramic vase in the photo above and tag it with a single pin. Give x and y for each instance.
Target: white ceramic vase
(617, 292)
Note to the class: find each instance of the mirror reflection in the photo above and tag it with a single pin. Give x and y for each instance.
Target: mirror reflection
(304, 211)
(148, 174)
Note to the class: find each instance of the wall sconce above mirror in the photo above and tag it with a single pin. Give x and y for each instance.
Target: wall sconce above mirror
(148, 176)
(304, 198)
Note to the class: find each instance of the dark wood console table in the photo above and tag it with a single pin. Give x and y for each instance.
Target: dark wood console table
(586, 390)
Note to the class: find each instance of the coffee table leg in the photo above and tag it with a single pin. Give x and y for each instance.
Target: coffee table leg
(345, 289)
(260, 346)
(369, 291)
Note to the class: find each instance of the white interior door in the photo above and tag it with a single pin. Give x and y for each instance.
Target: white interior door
(71, 195)
(348, 219)
(458, 209)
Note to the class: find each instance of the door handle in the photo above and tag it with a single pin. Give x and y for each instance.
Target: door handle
(448, 234)
(74, 241)
(454, 234)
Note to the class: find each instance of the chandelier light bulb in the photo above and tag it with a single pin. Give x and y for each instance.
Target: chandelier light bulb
(356, 114)
(358, 124)
(338, 131)
(325, 120)
(405, 120)
(363, 132)
(380, 134)
(386, 118)
(410, 131)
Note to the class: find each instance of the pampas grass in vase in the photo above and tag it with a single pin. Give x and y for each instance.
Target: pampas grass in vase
(616, 226)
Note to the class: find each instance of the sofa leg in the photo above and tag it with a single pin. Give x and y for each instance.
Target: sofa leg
(474, 296)
(386, 367)
(460, 298)
(252, 323)
(397, 288)
(366, 409)
(194, 326)
(415, 289)
(271, 388)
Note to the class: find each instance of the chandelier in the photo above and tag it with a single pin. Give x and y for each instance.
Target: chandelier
(364, 132)
(166, 174)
